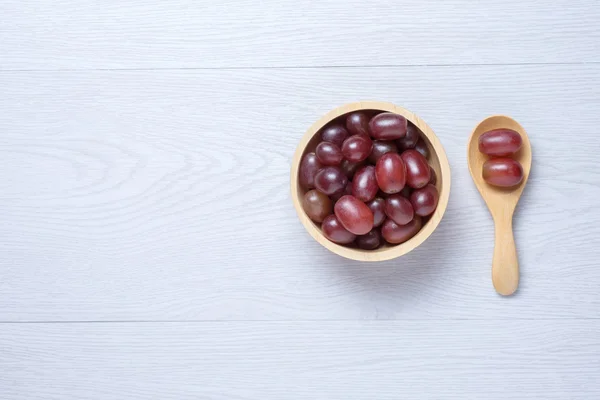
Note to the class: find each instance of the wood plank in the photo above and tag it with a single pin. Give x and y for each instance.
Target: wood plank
(163, 195)
(76, 34)
(302, 360)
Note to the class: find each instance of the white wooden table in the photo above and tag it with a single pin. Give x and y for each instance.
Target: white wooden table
(149, 248)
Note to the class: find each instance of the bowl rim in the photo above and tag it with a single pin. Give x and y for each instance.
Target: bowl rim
(391, 252)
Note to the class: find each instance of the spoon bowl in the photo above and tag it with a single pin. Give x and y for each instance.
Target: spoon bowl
(501, 201)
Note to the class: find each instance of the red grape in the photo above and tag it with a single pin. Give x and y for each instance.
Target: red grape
(422, 148)
(399, 209)
(330, 180)
(395, 234)
(329, 153)
(354, 215)
(334, 231)
(357, 148)
(388, 126)
(338, 195)
(377, 206)
(424, 200)
(357, 123)
(364, 185)
(348, 189)
(391, 173)
(349, 168)
(406, 191)
(309, 166)
(334, 133)
(317, 205)
(410, 140)
(417, 169)
(500, 142)
(370, 241)
(380, 147)
(503, 172)
(381, 193)
(368, 180)
(433, 179)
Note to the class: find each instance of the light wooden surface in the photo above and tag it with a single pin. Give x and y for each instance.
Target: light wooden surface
(355, 360)
(437, 160)
(149, 247)
(501, 202)
(86, 34)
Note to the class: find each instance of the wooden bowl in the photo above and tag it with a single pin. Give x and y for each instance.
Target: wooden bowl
(437, 160)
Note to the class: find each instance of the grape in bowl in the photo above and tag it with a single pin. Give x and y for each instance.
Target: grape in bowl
(383, 145)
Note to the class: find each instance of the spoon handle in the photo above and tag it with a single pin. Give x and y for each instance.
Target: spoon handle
(505, 266)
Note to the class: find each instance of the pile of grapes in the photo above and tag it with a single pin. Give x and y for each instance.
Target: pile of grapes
(501, 170)
(368, 180)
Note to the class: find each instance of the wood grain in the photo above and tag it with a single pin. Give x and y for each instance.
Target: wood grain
(85, 34)
(145, 150)
(302, 360)
(140, 195)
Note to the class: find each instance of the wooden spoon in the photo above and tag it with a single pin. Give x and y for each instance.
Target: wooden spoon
(501, 202)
